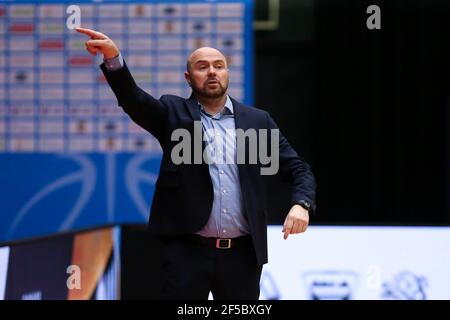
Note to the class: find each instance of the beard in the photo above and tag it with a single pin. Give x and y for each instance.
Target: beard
(206, 92)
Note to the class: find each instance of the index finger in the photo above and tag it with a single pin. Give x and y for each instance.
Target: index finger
(93, 34)
(286, 233)
(287, 229)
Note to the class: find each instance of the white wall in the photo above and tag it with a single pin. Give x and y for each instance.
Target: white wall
(4, 256)
(358, 263)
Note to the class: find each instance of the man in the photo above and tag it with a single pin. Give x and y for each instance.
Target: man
(210, 215)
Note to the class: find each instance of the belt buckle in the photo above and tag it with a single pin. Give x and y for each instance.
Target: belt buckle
(227, 243)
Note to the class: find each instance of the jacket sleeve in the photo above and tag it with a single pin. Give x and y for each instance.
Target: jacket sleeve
(295, 170)
(145, 110)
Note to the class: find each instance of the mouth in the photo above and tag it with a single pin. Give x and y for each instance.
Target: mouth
(212, 84)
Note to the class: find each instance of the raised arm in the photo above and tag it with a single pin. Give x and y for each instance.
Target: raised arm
(146, 111)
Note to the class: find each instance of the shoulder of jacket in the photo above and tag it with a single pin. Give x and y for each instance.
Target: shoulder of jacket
(171, 97)
(257, 111)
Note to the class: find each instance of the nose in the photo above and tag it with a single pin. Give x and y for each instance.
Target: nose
(211, 71)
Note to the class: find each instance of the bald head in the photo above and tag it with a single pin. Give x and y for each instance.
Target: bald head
(204, 54)
(207, 73)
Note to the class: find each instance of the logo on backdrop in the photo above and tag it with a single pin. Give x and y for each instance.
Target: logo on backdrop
(87, 177)
(405, 286)
(269, 288)
(330, 284)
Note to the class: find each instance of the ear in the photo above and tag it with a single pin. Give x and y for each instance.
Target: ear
(188, 78)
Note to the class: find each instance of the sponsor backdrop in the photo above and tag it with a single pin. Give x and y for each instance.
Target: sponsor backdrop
(358, 263)
(70, 157)
(324, 263)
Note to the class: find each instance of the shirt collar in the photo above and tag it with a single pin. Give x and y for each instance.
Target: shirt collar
(227, 109)
(229, 105)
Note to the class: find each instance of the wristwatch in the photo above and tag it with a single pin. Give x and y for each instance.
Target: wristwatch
(305, 204)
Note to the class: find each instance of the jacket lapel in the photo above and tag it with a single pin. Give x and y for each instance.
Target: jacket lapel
(242, 121)
(194, 110)
(240, 115)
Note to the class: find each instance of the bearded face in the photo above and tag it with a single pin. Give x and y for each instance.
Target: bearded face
(211, 88)
(208, 73)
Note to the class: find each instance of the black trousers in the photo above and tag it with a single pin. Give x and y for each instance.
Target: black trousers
(193, 269)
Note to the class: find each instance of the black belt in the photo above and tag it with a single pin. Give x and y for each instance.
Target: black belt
(220, 243)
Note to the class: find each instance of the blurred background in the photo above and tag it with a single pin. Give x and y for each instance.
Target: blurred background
(366, 108)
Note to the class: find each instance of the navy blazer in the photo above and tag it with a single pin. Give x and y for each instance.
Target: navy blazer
(183, 195)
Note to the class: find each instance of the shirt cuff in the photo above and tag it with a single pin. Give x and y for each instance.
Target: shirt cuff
(114, 63)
